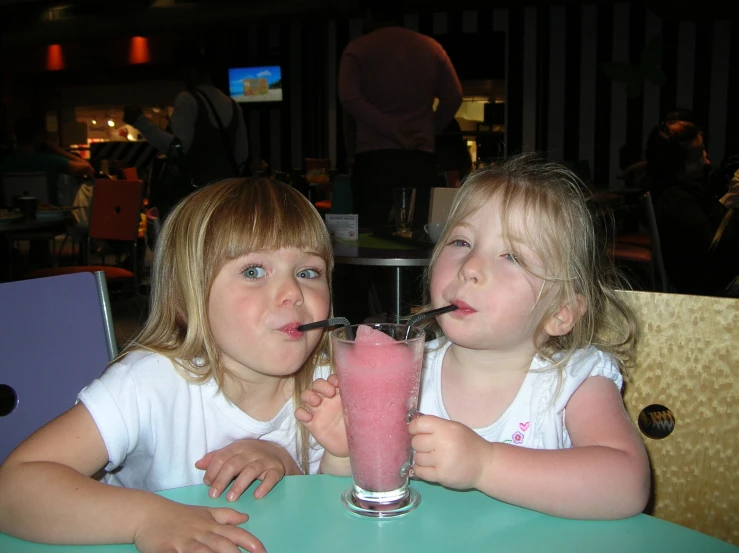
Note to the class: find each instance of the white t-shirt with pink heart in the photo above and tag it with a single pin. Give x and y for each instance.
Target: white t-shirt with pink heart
(536, 416)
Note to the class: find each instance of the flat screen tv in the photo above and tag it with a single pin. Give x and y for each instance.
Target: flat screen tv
(255, 84)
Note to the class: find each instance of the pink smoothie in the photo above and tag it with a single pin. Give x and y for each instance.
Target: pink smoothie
(379, 380)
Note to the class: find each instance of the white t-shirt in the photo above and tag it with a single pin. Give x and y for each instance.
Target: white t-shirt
(156, 424)
(536, 417)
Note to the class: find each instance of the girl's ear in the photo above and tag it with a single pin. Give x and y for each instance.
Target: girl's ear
(564, 320)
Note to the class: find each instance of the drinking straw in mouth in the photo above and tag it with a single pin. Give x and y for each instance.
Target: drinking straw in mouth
(333, 321)
(425, 315)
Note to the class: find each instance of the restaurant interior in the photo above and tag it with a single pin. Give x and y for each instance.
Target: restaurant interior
(570, 79)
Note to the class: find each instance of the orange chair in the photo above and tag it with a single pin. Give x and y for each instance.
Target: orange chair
(319, 180)
(130, 173)
(114, 215)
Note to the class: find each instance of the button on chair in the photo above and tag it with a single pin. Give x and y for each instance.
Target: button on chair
(684, 397)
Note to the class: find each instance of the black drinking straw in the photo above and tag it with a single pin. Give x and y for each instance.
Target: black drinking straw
(333, 321)
(425, 315)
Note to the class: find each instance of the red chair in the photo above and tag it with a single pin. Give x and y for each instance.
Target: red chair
(319, 181)
(130, 173)
(114, 215)
(640, 239)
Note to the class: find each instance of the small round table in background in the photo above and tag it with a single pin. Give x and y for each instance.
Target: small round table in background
(23, 228)
(347, 253)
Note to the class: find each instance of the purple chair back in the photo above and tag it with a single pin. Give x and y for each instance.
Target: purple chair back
(56, 336)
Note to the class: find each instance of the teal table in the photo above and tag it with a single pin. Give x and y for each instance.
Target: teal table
(304, 514)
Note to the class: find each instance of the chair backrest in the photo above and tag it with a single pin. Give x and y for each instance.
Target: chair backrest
(56, 335)
(441, 203)
(684, 396)
(25, 184)
(654, 241)
(131, 173)
(116, 210)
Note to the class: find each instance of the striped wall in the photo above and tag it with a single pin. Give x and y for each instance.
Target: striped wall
(558, 98)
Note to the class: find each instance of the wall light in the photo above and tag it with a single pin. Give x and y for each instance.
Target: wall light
(138, 51)
(54, 57)
(111, 123)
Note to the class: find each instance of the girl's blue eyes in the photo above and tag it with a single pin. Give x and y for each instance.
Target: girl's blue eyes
(254, 271)
(257, 271)
(309, 273)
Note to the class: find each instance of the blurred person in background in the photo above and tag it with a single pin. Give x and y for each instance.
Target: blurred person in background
(698, 231)
(388, 80)
(206, 139)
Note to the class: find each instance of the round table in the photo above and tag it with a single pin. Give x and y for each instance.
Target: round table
(305, 513)
(348, 254)
(49, 224)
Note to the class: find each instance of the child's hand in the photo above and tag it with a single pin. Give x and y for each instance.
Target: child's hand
(246, 460)
(184, 528)
(321, 414)
(447, 452)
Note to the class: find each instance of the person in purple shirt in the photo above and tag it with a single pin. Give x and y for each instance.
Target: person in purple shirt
(389, 80)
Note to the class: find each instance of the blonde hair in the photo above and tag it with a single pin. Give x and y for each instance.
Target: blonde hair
(560, 228)
(206, 230)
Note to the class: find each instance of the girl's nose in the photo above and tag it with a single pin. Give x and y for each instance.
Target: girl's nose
(290, 293)
(472, 269)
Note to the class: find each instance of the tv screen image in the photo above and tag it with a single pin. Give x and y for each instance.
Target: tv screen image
(255, 84)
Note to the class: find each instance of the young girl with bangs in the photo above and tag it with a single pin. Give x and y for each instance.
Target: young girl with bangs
(521, 387)
(204, 393)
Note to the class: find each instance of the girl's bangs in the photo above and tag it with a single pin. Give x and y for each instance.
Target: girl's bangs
(279, 221)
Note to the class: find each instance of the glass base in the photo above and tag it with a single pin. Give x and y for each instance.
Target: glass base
(381, 510)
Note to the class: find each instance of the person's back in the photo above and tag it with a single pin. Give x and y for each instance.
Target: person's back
(399, 74)
(206, 139)
(216, 133)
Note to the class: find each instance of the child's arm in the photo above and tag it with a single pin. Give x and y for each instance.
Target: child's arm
(323, 417)
(605, 475)
(243, 462)
(48, 495)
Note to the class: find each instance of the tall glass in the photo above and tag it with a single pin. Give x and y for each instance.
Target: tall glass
(379, 376)
(404, 201)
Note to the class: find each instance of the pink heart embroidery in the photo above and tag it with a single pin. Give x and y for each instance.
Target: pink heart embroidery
(523, 426)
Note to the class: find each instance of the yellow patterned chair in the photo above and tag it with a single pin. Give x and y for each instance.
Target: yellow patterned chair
(687, 361)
